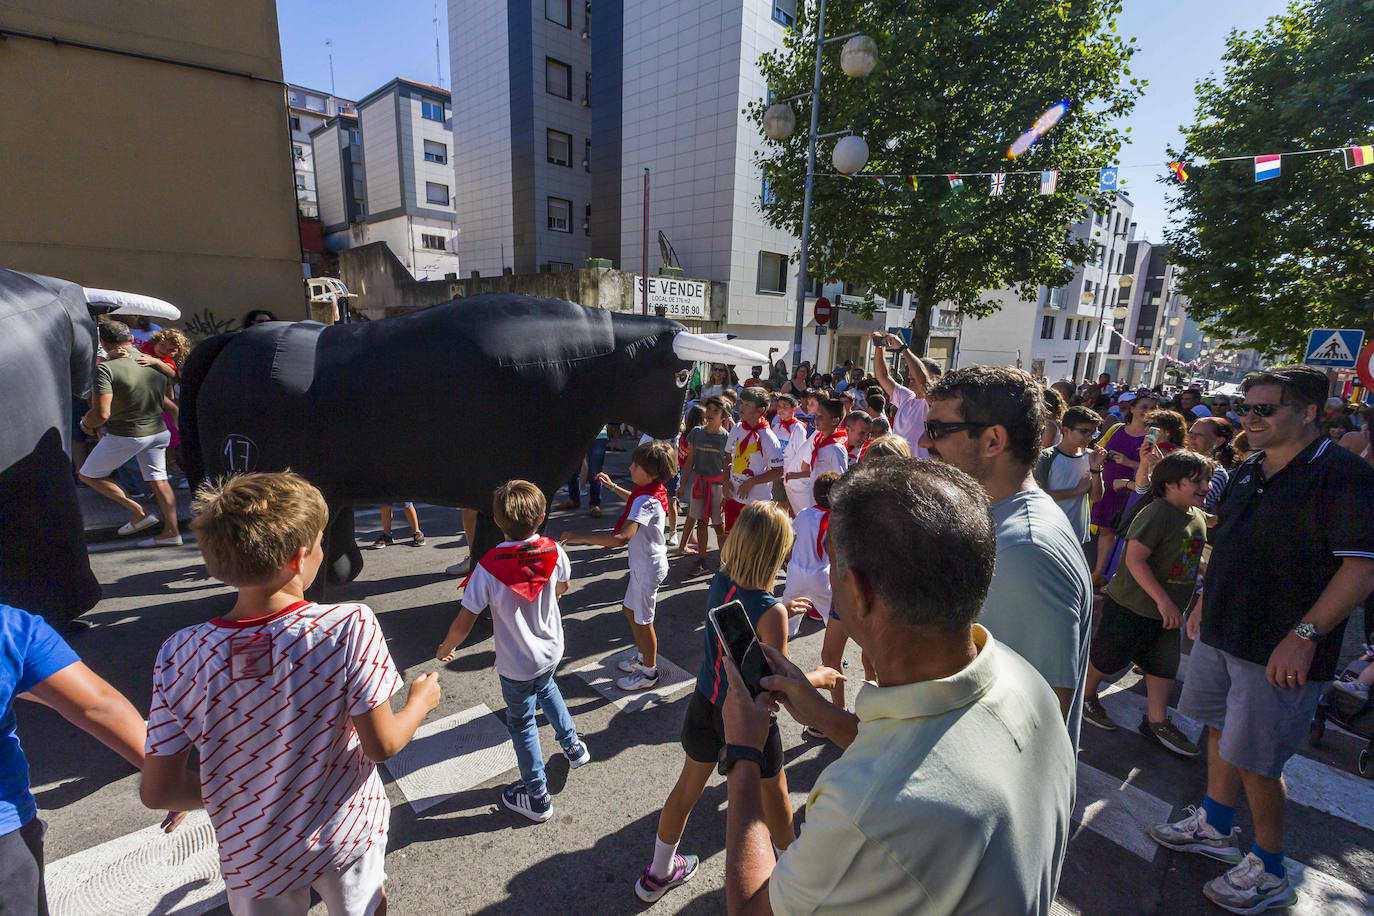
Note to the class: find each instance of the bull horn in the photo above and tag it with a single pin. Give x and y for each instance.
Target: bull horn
(697, 347)
(115, 302)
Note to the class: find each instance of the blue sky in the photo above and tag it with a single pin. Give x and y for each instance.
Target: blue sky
(1180, 41)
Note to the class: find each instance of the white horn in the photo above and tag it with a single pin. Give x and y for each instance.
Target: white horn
(132, 304)
(693, 347)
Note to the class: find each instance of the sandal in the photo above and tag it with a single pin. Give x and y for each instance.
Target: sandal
(417, 539)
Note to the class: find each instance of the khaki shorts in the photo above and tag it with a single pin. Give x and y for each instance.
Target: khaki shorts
(697, 507)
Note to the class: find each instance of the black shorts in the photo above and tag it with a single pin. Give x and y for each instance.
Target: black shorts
(703, 736)
(21, 870)
(1124, 637)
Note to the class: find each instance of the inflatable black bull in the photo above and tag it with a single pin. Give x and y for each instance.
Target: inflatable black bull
(440, 406)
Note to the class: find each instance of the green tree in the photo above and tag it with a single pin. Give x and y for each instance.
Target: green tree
(1267, 261)
(958, 82)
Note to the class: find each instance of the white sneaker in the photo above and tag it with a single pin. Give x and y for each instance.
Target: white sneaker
(173, 541)
(1249, 889)
(670, 539)
(639, 679)
(142, 524)
(628, 665)
(1194, 834)
(459, 569)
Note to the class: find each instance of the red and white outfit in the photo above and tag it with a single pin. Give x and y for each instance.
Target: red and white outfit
(796, 448)
(910, 420)
(808, 571)
(514, 580)
(857, 454)
(829, 453)
(647, 506)
(267, 704)
(750, 451)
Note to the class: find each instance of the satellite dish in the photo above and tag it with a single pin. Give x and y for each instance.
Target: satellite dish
(669, 255)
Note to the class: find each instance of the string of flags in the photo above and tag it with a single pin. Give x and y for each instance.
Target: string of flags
(1266, 167)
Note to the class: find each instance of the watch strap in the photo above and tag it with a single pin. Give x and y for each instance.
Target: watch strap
(736, 752)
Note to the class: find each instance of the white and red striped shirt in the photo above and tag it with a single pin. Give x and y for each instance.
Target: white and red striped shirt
(267, 703)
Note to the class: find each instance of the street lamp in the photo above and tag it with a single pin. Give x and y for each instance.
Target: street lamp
(858, 59)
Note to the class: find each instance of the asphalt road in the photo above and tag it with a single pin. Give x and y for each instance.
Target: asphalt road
(466, 854)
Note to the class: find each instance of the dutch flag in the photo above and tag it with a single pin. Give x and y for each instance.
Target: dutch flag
(1267, 167)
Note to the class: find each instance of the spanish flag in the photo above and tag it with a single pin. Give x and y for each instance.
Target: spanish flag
(912, 179)
(1356, 156)
(1180, 171)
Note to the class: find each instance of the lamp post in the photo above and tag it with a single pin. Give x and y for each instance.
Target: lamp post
(858, 58)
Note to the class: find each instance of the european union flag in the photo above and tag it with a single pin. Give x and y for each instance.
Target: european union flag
(1106, 179)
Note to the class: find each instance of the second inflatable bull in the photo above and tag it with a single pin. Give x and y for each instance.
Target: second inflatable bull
(440, 406)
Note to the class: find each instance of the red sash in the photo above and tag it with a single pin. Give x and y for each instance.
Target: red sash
(820, 532)
(657, 490)
(701, 489)
(838, 437)
(525, 568)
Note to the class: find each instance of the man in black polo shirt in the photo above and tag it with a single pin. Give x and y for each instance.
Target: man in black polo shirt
(1292, 555)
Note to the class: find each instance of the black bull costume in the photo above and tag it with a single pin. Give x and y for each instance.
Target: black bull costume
(440, 406)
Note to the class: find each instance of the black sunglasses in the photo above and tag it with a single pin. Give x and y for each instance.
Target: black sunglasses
(938, 429)
(1261, 410)
(1086, 430)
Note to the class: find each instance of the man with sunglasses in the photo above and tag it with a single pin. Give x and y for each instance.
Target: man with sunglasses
(988, 422)
(1292, 555)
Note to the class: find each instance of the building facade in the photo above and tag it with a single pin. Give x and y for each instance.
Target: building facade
(307, 109)
(386, 175)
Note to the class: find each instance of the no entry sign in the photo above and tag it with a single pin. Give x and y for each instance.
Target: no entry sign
(1364, 366)
(823, 310)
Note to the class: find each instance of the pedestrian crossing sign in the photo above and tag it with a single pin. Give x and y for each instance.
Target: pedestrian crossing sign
(1333, 348)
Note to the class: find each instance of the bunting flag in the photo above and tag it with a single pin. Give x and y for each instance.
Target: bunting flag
(1267, 167)
(955, 183)
(1107, 179)
(1049, 181)
(1180, 171)
(999, 181)
(1357, 156)
(912, 180)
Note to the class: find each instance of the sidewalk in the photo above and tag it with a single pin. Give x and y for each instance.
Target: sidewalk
(103, 518)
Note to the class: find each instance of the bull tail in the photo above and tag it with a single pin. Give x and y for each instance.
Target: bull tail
(192, 375)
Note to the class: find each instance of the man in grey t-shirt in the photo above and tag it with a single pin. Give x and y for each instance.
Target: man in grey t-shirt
(988, 422)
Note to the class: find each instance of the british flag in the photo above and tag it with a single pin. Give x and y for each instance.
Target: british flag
(999, 181)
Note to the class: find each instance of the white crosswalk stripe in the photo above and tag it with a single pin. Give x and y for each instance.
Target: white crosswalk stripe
(451, 755)
(602, 673)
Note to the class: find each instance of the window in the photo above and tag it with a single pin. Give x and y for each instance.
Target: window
(436, 152)
(772, 272)
(295, 123)
(1078, 330)
(436, 193)
(587, 155)
(814, 284)
(766, 195)
(1068, 328)
(556, 267)
(300, 182)
(314, 103)
(587, 221)
(1047, 327)
(1097, 219)
(785, 12)
(432, 242)
(560, 214)
(1057, 297)
(298, 151)
(559, 12)
(558, 147)
(359, 210)
(1087, 286)
(587, 89)
(557, 78)
(355, 137)
(432, 111)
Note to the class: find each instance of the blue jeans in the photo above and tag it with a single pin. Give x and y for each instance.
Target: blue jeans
(520, 697)
(596, 461)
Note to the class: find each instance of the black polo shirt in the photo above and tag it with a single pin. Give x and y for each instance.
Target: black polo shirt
(1277, 544)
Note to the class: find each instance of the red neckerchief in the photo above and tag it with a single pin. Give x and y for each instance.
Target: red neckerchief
(525, 568)
(788, 424)
(750, 432)
(838, 437)
(820, 531)
(701, 489)
(862, 450)
(657, 490)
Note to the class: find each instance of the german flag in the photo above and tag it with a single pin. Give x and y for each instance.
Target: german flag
(1356, 156)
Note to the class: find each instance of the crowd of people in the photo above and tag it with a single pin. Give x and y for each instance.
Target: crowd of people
(996, 548)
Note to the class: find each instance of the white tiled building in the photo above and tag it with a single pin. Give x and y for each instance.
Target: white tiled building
(308, 109)
(387, 175)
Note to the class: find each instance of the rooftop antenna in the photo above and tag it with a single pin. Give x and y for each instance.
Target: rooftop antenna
(329, 43)
(438, 67)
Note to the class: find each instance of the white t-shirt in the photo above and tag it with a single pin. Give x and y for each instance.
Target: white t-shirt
(806, 560)
(796, 444)
(1066, 472)
(832, 457)
(528, 634)
(910, 421)
(762, 454)
(648, 548)
(267, 703)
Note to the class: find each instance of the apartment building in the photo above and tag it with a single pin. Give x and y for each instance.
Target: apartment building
(307, 109)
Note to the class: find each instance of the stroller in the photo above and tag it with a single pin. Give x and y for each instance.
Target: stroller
(1348, 704)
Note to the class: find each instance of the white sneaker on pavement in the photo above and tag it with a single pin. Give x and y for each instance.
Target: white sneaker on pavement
(628, 665)
(1248, 888)
(142, 524)
(173, 541)
(638, 679)
(1194, 834)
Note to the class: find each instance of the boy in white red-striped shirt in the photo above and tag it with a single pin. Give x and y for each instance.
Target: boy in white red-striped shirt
(287, 703)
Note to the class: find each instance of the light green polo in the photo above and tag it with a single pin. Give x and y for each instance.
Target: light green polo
(955, 797)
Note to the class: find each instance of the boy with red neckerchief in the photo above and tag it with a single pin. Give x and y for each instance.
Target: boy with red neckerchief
(521, 580)
(829, 446)
(754, 454)
(856, 429)
(640, 528)
(796, 446)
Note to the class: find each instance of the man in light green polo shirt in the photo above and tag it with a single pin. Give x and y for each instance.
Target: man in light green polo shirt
(955, 789)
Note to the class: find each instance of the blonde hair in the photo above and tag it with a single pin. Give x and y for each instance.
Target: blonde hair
(518, 507)
(251, 525)
(181, 346)
(754, 550)
(888, 445)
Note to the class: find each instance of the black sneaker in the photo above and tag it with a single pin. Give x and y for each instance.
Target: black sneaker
(1094, 713)
(1166, 735)
(383, 540)
(517, 798)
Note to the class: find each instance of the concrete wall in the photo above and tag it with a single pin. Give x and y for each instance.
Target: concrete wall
(1003, 337)
(329, 147)
(377, 119)
(149, 176)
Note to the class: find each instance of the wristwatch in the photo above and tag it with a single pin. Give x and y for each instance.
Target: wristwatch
(737, 752)
(1307, 631)
(1094, 470)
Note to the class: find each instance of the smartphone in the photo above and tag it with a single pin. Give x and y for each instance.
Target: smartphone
(737, 635)
(1152, 435)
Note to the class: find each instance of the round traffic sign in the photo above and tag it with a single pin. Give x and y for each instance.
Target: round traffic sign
(1364, 366)
(823, 310)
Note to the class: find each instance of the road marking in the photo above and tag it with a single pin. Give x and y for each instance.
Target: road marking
(452, 755)
(601, 675)
(144, 872)
(1118, 810)
(1320, 894)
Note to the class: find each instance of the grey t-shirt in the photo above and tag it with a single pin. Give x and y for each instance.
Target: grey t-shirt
(1041, 599)
(708, 451)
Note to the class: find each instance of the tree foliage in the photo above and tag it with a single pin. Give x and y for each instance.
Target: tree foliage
(1267, 261)
(958, 81)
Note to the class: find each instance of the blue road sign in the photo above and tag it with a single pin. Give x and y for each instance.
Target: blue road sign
(1335, 348)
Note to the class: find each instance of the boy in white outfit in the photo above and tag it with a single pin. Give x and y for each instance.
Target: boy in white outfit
(796, 446)
(808, 570)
